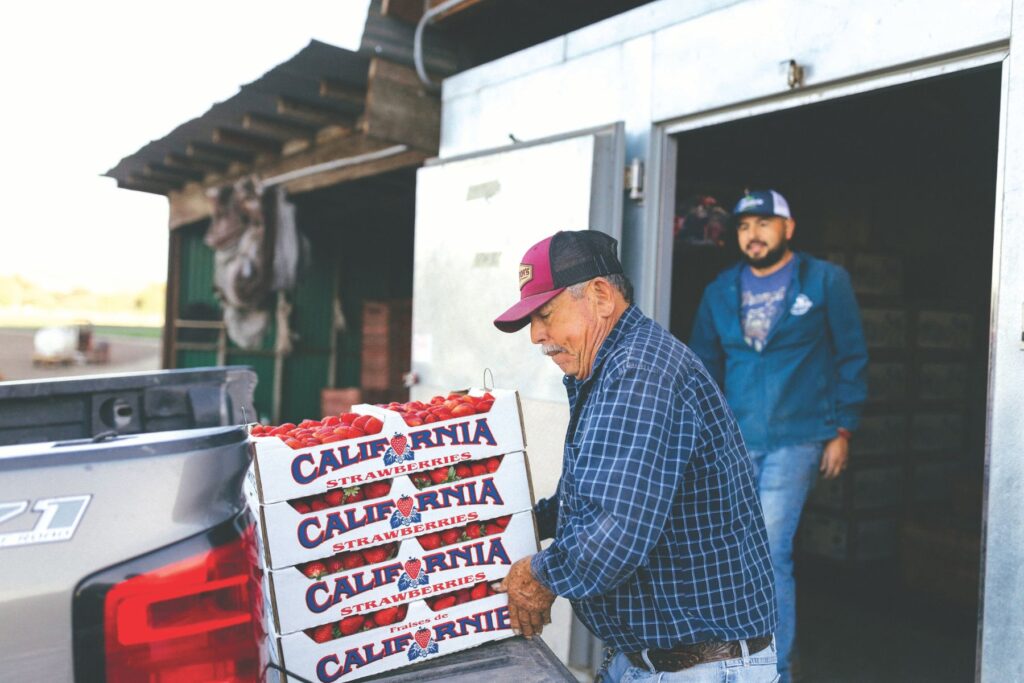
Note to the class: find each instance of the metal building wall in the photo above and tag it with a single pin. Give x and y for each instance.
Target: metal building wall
(669, 63)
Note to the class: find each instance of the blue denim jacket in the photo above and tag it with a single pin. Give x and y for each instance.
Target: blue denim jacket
(809, 379)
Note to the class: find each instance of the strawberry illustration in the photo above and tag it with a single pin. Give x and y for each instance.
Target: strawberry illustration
(398, 442)
(412, 567)
(422, 637)
(404, 505)
(315, 570)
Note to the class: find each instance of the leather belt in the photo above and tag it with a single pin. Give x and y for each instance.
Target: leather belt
(684, 656)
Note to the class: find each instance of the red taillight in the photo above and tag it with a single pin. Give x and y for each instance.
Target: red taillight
(196, 619)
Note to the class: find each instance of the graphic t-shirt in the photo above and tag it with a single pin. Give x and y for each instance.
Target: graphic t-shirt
(761, 302)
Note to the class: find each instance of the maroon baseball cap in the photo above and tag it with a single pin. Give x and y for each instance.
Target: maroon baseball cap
(554, 263)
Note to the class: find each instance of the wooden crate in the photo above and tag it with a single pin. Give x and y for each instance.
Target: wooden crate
(387, 344)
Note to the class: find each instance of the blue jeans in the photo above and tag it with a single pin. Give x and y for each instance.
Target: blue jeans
(784, 478)
(758, 667)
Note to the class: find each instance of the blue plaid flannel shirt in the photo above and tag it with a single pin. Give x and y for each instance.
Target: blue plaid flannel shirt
(660, 539)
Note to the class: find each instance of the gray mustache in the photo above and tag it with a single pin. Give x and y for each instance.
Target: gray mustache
(551, 349)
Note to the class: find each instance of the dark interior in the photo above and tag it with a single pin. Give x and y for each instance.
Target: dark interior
(899, 187)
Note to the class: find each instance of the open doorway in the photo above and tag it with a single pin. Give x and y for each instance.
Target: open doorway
(898, 186)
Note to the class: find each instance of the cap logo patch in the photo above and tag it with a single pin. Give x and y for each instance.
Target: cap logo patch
(749, 202)
(525, 274)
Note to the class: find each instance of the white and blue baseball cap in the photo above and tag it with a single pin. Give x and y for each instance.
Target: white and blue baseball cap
(762, 203)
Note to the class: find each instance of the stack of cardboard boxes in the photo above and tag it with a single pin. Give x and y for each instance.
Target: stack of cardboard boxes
(381, 551)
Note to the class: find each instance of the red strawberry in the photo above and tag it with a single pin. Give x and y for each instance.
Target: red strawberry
(420, 480)
(354, 494)
(462, 596)
(331, 421)
(373, 426)
(478, 468)
(412, 567)
(315, 570)
(388, 615)
(430, 541)
(422, 637)
(322, 634)
(463, 471)
(462, 410)
(492, 529)
(350, 625)
(353, 560)
(443, 602)
(404, 505)
(473, 531)
(294, 444)
(479, 591)
(449, 536)
(335, 498)
(334, 564)
(301, 507)
(484, 406)
(398, 442)
(503, 521)
(377, 489)
(413, 421)
(375, 555)
(442, 474)
(347, 418)
(492, 464)
(360, 422)
(319, 504)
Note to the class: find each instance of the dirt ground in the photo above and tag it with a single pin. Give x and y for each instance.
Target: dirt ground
(127, 354)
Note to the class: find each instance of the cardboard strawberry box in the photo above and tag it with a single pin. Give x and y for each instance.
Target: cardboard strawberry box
(385, 511)
(361, 581)
(399, 443)
(418, 633)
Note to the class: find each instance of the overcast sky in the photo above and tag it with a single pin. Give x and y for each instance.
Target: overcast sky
(87, 83)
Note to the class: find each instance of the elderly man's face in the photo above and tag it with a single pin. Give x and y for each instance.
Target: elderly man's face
(565, 328)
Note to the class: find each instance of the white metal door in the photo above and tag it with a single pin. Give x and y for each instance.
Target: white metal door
(475, 217)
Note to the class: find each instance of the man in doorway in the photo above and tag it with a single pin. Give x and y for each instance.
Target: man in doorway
(781, 333)
(658, 538)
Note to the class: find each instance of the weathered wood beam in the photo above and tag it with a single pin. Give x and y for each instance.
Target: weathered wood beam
(159, 171)
(281, 129)
(407, 159)
(218, 153)
(332, 89)
(134, 182)
(399, 109)
(464, 5)
(308, 112)
(239, 140)
(408, 11)
(192, 163)
(188, 205)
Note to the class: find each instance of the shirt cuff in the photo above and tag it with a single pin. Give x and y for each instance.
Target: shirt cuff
(538, 567)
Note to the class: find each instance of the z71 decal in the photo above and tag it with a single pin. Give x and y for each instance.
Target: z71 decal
(57, 522)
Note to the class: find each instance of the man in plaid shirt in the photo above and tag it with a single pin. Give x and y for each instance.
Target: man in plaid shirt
(658, 537)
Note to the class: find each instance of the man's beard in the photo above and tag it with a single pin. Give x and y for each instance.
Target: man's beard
(770, 258)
